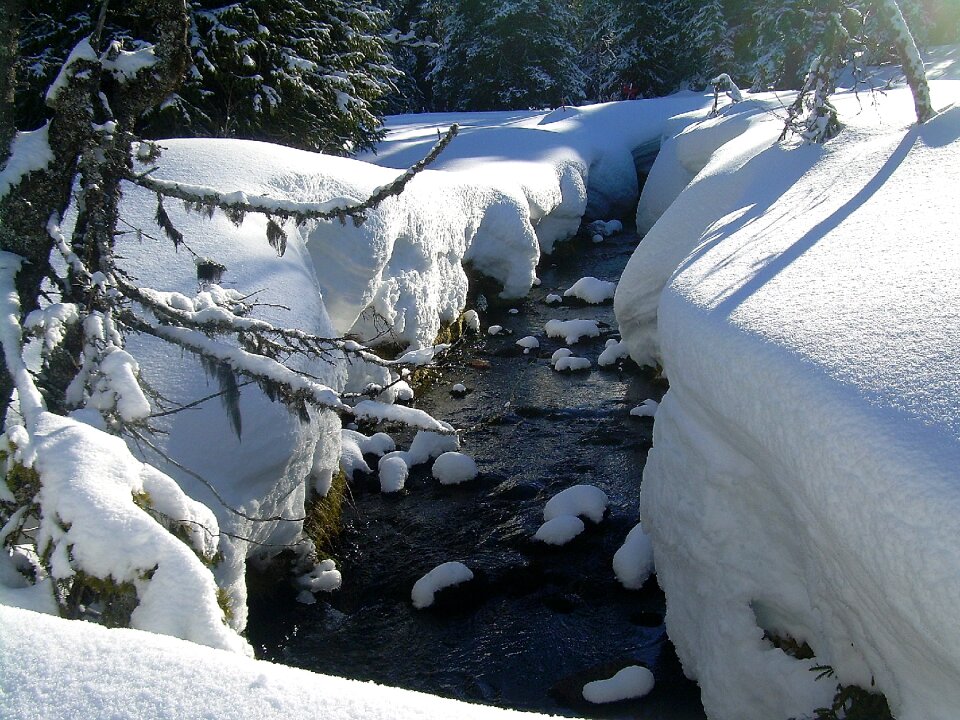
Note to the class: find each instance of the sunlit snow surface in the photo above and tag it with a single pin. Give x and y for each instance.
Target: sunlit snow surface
(804, 475)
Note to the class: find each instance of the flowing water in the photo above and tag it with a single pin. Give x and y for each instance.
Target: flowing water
(538, 621)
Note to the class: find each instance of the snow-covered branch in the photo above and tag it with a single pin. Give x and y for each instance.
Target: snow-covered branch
(237, 203)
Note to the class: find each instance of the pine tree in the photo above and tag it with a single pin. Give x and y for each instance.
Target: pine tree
(507, 54)
(635, 48)
(411, 42)
(308, 73)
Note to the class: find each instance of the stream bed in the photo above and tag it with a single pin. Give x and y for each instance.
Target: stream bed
(538, 621)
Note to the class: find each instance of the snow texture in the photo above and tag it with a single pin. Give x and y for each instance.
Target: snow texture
(571, 363)
(443, 576)
(559, 530)
(633, 562)
(553, 299)
(70, 670)
(572, 331)
(802, 482)
(528, 343)
(324, 577)
(613, 352)
(29, 151)
(586, 500)
(634, 681)
(354, 445)
(453, 468)
(591, 290)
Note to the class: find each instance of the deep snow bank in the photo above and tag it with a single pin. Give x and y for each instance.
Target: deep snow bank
(804, 479)
(562, 164)
(81, 671)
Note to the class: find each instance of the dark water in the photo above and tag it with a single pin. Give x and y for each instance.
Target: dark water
(537, 622)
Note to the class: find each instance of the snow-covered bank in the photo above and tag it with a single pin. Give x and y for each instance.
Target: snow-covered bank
(803, 480)
(68, 670)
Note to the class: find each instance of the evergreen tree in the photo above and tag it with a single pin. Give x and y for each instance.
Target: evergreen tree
(307, 73)
(635, 49)
(498, 54)
(411, 41)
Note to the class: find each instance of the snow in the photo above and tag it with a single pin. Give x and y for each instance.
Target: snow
(75, 670)
(591, 290)
(586, 500)
(633, 562)
(648, 408)
(494, 329)
(453, 468)
(613, 352)
(528, 343)
(573, 331)
(354, 445)
(29, 151)
(471, 320)
(393, 470)
(559, 530)
(459, 389)
(394, 467)
(633, 681)
(553, 299)
(443, 576)
(571, 363)
(324, 577)
(803, 478)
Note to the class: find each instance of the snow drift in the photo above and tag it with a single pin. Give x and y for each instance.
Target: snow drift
(803, 481)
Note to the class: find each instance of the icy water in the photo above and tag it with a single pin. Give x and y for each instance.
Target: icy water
(537, 622)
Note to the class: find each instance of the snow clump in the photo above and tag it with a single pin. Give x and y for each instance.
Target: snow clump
(634, 681)
(471, 321)
(443, 576)
(613, 352)
(604, 228)
(587, 500)
(453, 468)
(553, 299)
(571, 363)
(393, 471)
(495, 329)
(560, 530)
(354, 445)
(394, 467)
(633, 562)
(573, 331)
(324, 577)
(528, 343)
(648, 408)
(591, 290)
(458, 390)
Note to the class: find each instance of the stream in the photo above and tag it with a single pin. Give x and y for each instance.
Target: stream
(538, 621)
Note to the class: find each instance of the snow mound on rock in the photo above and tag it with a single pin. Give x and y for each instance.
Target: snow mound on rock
(453, 468)
(443, 576)
(634, 681)
(586, 500)
(560, 530)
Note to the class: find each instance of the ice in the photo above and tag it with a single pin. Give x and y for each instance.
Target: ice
(634, 681)
(633, 562)
(586, 500)
(443, 576)
(559, 530)
(453, 468)
(591, 290)
(573, 331)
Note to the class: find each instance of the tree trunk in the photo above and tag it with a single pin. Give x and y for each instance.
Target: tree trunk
(890, 14)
